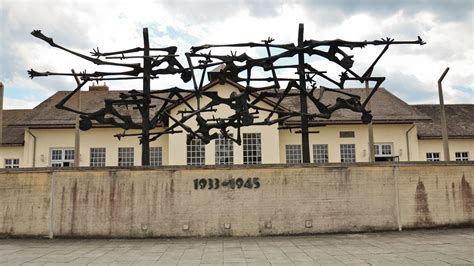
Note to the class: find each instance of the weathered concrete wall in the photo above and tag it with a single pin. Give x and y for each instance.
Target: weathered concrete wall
(25, 203)
(284, 199)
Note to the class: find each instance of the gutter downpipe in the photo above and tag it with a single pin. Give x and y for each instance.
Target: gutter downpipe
(408, 141)
(34, 146)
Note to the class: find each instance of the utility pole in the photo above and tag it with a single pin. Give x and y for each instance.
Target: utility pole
(1, 113)
(444, 126)
(303, 103)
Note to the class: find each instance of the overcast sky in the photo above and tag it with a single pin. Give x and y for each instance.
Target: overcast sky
(411, 71)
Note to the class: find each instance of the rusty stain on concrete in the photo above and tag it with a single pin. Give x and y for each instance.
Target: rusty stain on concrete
(422, 210)
(447, 193)
(467, 199)
(132, 203)
(74, 204)
(113, 188)
(453, 190)
(172, 186)
(62, 212)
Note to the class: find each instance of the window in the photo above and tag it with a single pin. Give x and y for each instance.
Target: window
(346, 134)
(320, 153)
(125, 156)
(224, 150)
(97, 157)
(156, 156)
(293, 153)
(462, 156)
(348, 153)
(62, 157)
(383, 152)
(432, 156)
(252, 147)
(195, 152)
(12, 163)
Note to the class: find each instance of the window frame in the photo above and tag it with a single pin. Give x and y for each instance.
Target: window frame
(347, 147)
(461, 156)
(195, 152)
(96, 160)
(432, 158)
(63, 161)
(317, 152)
(224, 150)
(122, 151)
(252, 148)
(293, 153)
(14, 163)
(156, 156)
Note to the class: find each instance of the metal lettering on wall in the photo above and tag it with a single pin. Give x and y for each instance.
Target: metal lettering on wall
(231, 183)
(246, 106)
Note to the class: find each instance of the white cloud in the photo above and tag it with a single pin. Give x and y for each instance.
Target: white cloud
(10, 103)
(115, 25)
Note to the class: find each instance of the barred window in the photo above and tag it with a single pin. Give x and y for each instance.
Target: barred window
(156, 156)
(196, 152)
(224, 150)
(348, 153)
(12, 163)
(432, 156)
(125, 156)
(320, 153)
(252, 147)
(63, 157)
(97, 157)
(461, 156)
(293, 153)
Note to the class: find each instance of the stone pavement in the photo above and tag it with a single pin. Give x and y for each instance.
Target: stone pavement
(421, 247)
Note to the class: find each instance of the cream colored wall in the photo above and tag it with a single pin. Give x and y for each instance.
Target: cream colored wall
(269, 134)
(455, 145)
(393, 134)
(94, 138)
(11, 152)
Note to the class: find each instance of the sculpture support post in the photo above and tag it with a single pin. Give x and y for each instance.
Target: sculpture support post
(145, 109)
(303, 103)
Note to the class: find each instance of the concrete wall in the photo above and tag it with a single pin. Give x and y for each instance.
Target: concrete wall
(297, 199)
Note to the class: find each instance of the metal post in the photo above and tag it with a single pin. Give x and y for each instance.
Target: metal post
(304, 106)
(370, 128)
(146, 100)
(77, 131)
(1, 113)
(444, 127)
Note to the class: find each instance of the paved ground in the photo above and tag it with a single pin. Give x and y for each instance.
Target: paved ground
(427, 247)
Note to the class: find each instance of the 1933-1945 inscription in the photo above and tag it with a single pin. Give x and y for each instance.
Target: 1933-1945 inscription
(232, 183)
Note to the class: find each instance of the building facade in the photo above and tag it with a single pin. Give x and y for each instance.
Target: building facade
(45, 136)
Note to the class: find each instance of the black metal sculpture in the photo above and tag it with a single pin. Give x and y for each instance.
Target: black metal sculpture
(245, 104)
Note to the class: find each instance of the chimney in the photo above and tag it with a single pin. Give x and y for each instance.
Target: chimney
(99, 87)
(218, 74)
(1, 113)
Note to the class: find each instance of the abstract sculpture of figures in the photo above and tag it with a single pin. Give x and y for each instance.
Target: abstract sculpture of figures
(231, 66)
